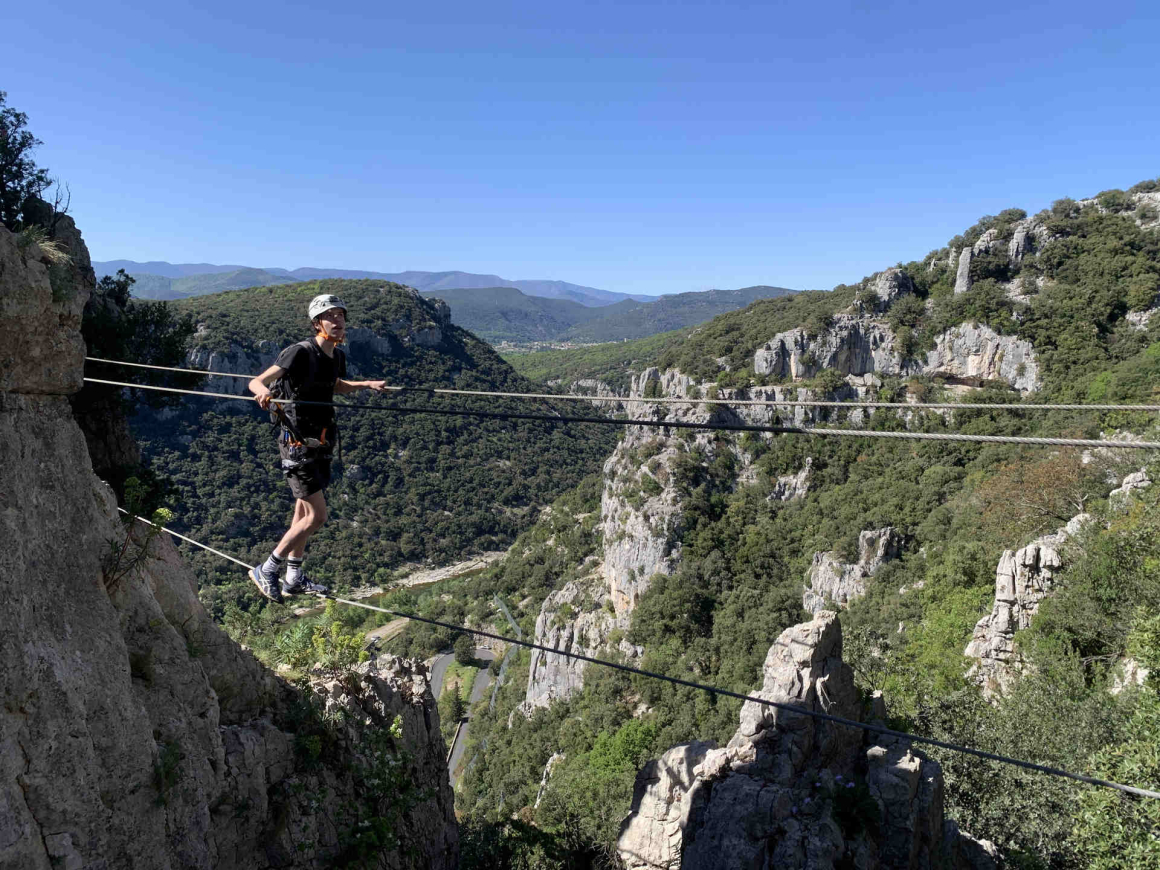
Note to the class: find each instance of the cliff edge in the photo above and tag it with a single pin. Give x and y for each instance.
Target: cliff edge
(133, 732)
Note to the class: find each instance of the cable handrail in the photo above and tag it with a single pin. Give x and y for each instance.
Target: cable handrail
(675, 424)
(714, 690)
(676, 400)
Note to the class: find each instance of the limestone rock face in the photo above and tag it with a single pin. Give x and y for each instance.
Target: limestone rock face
(566, 623)
(1023, 579)
(603, 396)
(767, 799)
(859, 346)
(360, 338)
(554, 759)
(653, 835)
(889, 286)
(789, 487)
(641, 512)
(831, 580)
(133, 732)
(963, 275)
(853, 345)
(42, 303)
(1134, 482)
(971, 354)
(234, 359)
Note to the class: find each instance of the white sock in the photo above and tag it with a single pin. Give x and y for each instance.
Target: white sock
(294, 571)
(272, 565)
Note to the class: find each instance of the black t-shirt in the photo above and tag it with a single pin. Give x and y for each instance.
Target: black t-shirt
(312, 419)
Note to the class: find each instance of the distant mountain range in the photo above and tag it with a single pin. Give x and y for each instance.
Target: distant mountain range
(498, 314)
(160, 280)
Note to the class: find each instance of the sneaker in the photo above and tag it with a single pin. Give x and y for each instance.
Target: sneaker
(267, 584)
(304, 586)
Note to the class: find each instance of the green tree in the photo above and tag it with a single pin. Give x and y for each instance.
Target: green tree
(1114, 831)
(20, 178)
(464, 649)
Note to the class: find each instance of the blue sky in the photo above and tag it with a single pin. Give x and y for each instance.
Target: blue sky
(644, 147)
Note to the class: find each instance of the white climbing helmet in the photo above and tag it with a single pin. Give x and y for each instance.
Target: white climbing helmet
(325, 302)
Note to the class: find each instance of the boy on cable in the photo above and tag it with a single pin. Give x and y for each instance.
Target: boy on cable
(312, 370)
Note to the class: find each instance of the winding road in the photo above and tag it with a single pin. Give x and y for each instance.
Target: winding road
(482, 681)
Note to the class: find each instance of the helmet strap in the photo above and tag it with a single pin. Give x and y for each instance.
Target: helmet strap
(326, 336)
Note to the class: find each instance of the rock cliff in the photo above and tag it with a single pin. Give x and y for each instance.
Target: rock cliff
(832, 581)
(133, 732)
(640, 512)
(860, 343)
(790, 791)
(1023, 579)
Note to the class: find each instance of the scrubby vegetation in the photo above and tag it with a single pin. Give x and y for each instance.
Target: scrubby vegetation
(744, 557)
(436, 489)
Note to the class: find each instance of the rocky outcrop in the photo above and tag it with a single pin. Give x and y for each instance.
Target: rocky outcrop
(790, 487)
(41, 301)
(1128, 674)
(853, 345)
(234, 359)
(963, 275)
(832, 581)
(133, 732)
(640, 525)
(546, 776)
(887, 286)
(1134, 482)
(603, 396)
(857, 346)
(575, 620)
(776, 794)
(1023, 579)
(972, 354)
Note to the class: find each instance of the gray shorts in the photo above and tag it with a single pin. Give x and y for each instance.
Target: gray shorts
(306, 470)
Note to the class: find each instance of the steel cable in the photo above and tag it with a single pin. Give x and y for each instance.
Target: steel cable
(660, 400)
(788, 708)
(675, 424)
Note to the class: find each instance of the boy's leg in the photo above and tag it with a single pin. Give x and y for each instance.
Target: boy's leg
(309, 515)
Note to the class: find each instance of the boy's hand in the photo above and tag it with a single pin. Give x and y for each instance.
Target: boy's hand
(263, 398)
(377, 386)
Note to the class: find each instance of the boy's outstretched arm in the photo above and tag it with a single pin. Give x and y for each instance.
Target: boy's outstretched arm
(343, 387)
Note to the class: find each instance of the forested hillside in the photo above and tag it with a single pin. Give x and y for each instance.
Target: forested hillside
(667, 313)
(414, 488)
(498, 314)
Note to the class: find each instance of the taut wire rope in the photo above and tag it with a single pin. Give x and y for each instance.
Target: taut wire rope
(671, 400)
(674, 424)
(765, 702)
